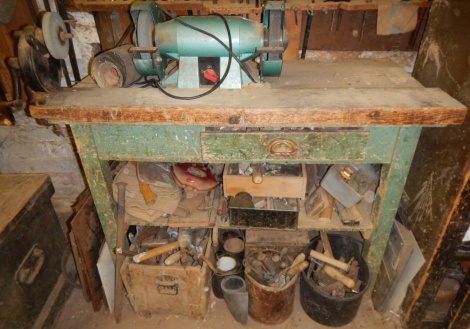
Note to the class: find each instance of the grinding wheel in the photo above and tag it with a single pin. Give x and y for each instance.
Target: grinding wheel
(53, 28)
(271, 63)
(145, 32)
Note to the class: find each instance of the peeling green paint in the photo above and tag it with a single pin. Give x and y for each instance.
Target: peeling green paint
(148, 143)
(99, 180)
(393, 180)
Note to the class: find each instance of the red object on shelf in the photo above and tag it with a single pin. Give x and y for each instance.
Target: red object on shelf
(193, 177)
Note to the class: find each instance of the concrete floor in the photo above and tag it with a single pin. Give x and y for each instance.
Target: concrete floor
(79, 314)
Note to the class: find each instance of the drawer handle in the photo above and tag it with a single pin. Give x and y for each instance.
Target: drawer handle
(30, 266)
(282, 147)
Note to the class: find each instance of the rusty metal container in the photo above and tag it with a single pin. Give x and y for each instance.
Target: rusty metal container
(270, 305)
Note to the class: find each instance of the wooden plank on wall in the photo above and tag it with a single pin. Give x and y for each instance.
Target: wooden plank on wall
(430, 206)
(111, 26)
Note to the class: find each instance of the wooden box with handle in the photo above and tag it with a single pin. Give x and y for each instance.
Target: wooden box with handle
(32, 245)
(155, 289)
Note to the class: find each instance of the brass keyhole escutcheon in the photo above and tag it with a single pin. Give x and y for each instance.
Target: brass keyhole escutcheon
(282, 147)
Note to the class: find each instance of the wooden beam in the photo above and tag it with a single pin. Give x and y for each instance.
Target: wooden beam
(226, 7)
(253, 107)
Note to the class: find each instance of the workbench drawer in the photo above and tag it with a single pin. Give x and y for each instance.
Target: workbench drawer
(321, 146)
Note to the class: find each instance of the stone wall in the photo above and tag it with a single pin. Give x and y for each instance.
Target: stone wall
(29, 147)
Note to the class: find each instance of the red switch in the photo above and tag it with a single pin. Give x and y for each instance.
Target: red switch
(210, 75)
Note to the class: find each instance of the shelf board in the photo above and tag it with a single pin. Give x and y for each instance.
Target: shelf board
(209, 218)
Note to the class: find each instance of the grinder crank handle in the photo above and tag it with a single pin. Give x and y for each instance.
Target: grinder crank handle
(156, 251)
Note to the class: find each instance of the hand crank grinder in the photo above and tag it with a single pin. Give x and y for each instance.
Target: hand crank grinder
(209, 50)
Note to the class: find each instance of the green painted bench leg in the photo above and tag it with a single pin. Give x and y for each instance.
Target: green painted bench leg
(99, 180)
(393, 178)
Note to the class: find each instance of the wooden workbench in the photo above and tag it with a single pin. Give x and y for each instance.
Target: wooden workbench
(335, 112)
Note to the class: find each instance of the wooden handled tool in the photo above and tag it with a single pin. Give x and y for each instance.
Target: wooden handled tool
(337, 275)
(155, 252)
(208, 262)
(297, 268)
(329, 260)
(298, 259)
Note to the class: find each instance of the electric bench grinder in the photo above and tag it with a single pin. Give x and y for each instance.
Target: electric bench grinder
(208, 50)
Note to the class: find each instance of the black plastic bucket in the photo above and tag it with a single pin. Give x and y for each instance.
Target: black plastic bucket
(323, 308)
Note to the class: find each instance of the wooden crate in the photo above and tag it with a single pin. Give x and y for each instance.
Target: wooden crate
(154, 289)
(272, 186)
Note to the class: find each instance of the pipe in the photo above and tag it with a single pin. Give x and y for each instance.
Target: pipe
(236, 297)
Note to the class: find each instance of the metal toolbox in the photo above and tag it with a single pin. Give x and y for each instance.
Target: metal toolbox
(154, 289)
(32, 287)
(271, 217)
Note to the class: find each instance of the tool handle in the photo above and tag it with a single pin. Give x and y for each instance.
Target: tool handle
(293, 270)
(155, 252)
(335, 274)
(209, 263)
(298, 259)
(147, 193)
(329, 260)
(257, 175)
(173, 259)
